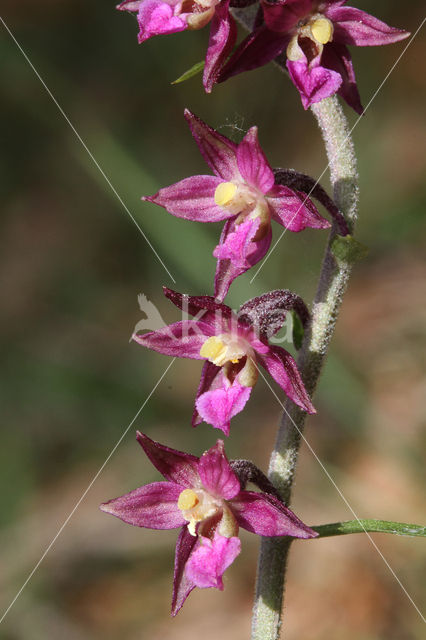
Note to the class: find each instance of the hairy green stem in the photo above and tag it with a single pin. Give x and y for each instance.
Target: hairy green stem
(370, 526)
(331, 288)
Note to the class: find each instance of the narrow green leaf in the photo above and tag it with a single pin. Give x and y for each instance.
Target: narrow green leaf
(347, 249)
(196, 68)
(370, 526)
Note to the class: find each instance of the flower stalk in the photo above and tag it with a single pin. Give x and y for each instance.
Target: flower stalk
(332, 285)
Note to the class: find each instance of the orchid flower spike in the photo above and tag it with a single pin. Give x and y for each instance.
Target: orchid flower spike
(203, 497)
(314, 35)
(233, 347)
(243, 192)
(158, 17)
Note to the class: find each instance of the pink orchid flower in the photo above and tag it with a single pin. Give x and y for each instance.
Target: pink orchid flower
(204, 497)
(314, 34)
(159, 17)
(233, 347)
(243, 192)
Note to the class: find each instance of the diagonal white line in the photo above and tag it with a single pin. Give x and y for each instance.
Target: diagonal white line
(92, 482)
(86, 148)
(339, 491)
(409, 43)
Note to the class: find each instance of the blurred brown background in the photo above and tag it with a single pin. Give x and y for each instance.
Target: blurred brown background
(72, 264)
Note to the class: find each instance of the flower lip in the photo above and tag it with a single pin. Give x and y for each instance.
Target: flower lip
(210, 559)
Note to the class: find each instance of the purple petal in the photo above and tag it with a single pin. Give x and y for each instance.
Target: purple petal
(267, 313)
(205, 308)
(353, 26)
(218, 406)
(210, 559)
(258, 342)
(283, 16)
(267, 516)
(182, 584)
(337, 57)
(192, 199)
(253, 164)
(182, 339)
(153, 506)
(315, 83)
(155, 18)
(283, 368)
(259, 48)
(216, 473)
(223, 33)
(244, 253)
(176, 466)
(217, 150)
(294, 210)
(311, 187)
(208, 374)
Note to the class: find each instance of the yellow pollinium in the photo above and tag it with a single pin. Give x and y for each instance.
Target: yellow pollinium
(187, 499)
(213, 349)
(322, 30)
(225, 193)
